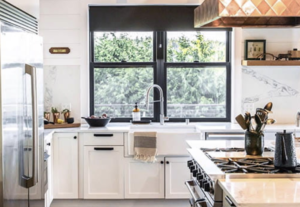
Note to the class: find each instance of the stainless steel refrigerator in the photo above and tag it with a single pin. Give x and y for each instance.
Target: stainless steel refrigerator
(22, 177)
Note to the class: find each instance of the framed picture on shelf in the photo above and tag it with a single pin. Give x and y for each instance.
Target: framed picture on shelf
(254, 48)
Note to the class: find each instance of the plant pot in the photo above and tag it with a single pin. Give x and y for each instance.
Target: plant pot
(56, 117)
(254, 143)
(47, 115)
(67, 115)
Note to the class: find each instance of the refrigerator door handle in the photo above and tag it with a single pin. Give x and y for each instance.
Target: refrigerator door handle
(28, 182)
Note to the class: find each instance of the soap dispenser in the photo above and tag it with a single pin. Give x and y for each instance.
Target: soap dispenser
(136, 114)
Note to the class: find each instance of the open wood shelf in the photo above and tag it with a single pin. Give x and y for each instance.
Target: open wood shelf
(270, 62)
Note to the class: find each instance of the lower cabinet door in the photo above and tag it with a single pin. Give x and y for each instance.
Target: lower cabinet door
(144, 180)
(65, 166)
(176, 174)
(103, 172)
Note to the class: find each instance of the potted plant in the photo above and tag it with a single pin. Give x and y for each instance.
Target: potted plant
(56, 114)
(66, 113)
(47, 115)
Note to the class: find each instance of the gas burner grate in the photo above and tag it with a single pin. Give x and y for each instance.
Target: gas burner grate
(228, 168)
(258, 161)
(220, 161)
(230, 149)
(263, 169)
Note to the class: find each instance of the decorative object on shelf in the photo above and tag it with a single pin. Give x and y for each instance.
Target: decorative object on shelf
(70, 120)
(283, 56)
(59, 50)
(47, 115)
(262, 55)
(55, 114)
(66, 113)
(253, 48)
(254, 126)
(294, 54)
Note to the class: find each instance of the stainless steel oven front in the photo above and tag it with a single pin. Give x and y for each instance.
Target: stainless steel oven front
(198, 197)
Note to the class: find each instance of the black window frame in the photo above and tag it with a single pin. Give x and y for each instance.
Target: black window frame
(160, 66)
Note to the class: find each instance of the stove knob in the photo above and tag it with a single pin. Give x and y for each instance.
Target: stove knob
(192, 168)
(206, 187)
(212, 190)
(190, 163)
(202, 182)
(199, 176)
(195, 172)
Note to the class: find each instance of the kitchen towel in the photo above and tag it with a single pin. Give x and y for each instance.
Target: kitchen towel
(145, 146)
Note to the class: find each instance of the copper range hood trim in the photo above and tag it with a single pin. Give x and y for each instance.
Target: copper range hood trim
(248, 13)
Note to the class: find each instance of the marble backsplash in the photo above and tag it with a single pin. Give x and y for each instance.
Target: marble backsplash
(62, 87)
(279, 85)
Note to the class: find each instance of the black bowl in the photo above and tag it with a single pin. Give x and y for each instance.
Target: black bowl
(97, 122)
(70, 120)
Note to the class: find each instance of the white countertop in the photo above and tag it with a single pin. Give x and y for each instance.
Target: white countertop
(111, 127)
(196, 145)
(229, 127)
(263, 192)
(204, 127)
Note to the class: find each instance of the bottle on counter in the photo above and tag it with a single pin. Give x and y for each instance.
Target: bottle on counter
(136, 114)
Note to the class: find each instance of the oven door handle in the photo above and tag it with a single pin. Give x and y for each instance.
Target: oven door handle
(196, 200)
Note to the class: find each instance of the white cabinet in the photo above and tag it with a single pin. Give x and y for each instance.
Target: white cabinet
(103, 172)
(49, 193)
(144, 180)
(163, 179)
(176, 174)
(32, 7)
(65, 165)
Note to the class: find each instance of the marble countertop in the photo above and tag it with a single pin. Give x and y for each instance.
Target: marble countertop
(263, 192)
(205, 127)
(112, 127)
(196, 145)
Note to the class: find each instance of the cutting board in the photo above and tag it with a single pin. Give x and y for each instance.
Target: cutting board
(55, 126)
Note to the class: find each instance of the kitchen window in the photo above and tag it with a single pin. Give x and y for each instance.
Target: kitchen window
(192, 67)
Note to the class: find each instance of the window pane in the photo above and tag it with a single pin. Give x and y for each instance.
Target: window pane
(117, 89)
(196, 92)
(196, 46)
(123, 46)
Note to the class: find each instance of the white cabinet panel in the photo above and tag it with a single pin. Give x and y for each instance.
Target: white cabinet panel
(144, 180)
(103, 172)
(112, 138)
(65, 165)
(176, 174)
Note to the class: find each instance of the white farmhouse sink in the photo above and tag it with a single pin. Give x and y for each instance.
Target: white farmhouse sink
(171, 139)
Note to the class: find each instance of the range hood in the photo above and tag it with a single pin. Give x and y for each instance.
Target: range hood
(248, 13)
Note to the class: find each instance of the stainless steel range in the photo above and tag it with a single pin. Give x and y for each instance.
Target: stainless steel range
(210, 164)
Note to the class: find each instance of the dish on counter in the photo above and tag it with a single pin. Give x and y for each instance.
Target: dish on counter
(95, 121)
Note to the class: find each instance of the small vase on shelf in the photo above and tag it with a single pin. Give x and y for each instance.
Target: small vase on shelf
(55, 114)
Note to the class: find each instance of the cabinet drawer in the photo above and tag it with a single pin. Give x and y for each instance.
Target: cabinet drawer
(102, 138)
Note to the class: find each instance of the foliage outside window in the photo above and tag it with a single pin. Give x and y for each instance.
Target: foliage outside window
(195, 67)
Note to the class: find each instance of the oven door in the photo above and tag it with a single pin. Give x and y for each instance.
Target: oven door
(198, 198)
